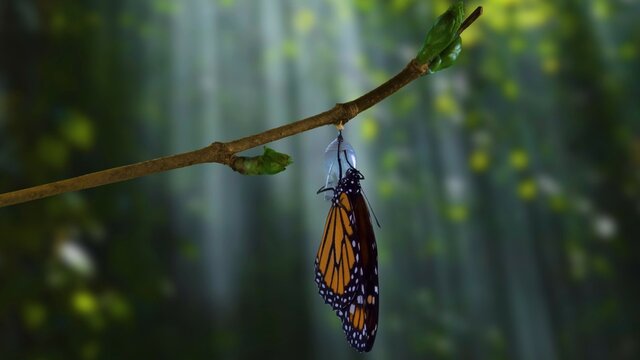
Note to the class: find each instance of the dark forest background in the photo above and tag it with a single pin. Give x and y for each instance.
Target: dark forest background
(507, 186)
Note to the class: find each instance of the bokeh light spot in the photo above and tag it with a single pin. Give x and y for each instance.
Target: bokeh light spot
(479, 161)
(527, 189)
(83, 302)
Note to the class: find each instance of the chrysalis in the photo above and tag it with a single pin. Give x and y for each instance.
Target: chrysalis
(337, 169)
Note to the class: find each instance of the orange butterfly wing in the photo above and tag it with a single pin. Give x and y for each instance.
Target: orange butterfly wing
(360, 317)
(337, 261)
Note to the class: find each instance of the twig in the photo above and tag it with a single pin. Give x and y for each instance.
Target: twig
(470, 19)
(224, 153)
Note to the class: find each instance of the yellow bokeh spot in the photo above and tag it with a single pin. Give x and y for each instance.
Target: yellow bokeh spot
(304, 20)
(519, 159)
(479, 160)
(505, 14)
(77, 129)
(445, 104)
(369, 128)
(399, 5)
(458, 213)
(510, 89)
(528, 17)
(497, 18)
(550, 65)
(84, 302)
(527, 189)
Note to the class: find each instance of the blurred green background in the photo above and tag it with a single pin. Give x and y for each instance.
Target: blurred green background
(507, 186)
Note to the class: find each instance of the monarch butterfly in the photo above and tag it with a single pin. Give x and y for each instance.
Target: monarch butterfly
(346, 265)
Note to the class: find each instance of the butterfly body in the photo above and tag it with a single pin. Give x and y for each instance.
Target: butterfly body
(347, 262)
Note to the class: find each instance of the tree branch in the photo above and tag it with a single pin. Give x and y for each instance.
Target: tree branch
(224, 153)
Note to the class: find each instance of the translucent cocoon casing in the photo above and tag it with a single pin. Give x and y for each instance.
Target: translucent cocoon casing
(334, 166)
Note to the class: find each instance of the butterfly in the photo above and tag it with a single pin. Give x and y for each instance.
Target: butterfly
(346, 265)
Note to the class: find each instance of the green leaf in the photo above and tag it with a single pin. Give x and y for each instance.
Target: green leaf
(442, 33)
(447, 57)
(269, 163)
